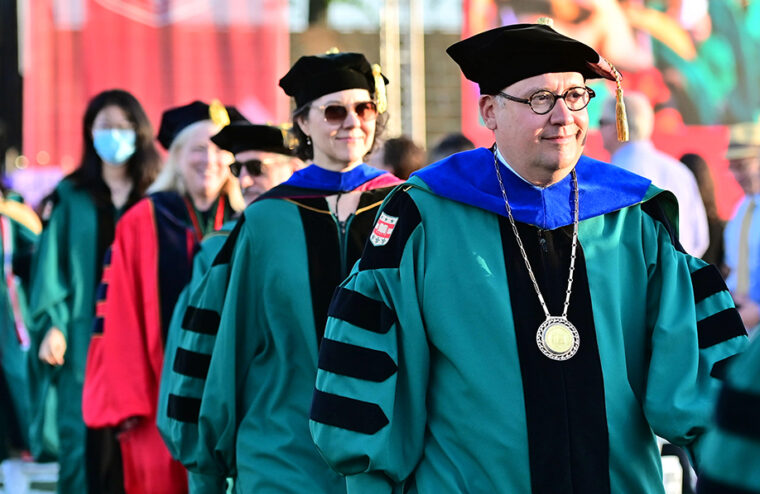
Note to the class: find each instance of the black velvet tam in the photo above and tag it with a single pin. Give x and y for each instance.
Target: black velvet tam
(174, 120)
(242, 136)
(316, 75)
(500, 57)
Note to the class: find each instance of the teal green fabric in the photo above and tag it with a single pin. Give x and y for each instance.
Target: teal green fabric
(255, 404)
(455, 404)
(172, 382)
(253, 419)
(14, 358)
(732, 457)
(63, 295)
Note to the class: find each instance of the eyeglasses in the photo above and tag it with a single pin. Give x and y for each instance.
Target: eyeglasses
(542, 101)
(253, 167)
(336, 114)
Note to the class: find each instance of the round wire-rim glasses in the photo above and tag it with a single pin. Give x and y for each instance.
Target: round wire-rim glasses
(543, 101)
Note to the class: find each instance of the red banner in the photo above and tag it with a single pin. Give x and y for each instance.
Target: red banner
(165, 52)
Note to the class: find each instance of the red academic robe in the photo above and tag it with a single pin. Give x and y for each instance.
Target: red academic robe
(150, 263)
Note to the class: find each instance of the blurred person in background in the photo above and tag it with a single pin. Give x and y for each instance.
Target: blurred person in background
(148, 265)
(265, 300)
(641, 157)
(19, 230)
(742, 233)
(264, 158)
(119, 162)
(701, 171)
(448, 145)
(402, 156)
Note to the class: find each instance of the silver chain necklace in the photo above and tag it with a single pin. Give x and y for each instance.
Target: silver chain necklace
(557, 338)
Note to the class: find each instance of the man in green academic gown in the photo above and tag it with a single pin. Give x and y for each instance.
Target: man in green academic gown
(523, 318)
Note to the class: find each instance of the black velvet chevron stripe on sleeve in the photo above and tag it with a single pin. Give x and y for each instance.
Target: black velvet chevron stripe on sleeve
(183, 409)
(720, 327)
(201, 321)
(191, 364)
(736, 412)
(361, 311)
(706, 281)
(388, 255)
(347, 413)
(355, 361)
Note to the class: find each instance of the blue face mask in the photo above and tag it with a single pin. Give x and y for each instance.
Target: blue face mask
(114, 146)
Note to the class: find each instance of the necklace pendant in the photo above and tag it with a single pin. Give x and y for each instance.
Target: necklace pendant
(557, 338)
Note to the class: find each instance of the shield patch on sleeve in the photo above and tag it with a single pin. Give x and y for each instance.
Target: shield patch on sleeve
(383, 230)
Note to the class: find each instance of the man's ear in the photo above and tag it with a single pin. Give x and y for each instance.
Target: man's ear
(487, 105)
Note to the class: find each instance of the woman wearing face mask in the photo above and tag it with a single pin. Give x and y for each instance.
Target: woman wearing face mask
(148, 266)
(119, 161)
(263, 305)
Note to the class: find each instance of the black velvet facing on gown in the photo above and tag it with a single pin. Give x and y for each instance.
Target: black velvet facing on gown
(568, 439)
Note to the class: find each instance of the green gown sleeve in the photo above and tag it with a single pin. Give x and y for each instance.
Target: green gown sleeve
(732, 446)
(685, 366)
(368, 413)
(181, 436)
(51, 289)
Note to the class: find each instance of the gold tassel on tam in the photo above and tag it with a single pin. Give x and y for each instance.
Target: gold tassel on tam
(621, 119)
(545, 21)
(218, 113)
(380, 95)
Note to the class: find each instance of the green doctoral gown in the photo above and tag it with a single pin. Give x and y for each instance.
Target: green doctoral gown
(176, 383)
(66, 272)
(19, 229)
(246, 357)
(430, 377)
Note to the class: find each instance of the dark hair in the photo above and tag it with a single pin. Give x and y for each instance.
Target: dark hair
(403, 156)
(305, 149)
(142, 166)
(450, 144)
(701, 171)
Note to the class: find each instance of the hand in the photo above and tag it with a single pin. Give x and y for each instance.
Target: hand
(53, 347)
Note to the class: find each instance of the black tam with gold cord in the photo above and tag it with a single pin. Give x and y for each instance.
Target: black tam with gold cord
(174, 120)
(500, 57)
(242, 136)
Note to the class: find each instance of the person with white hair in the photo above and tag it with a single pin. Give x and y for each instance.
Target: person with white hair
(148, 265)
(641, 157)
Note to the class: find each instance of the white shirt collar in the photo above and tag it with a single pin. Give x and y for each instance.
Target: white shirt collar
(501, 158)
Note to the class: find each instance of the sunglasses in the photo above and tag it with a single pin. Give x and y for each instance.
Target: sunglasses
(335, 114)
(253, 167)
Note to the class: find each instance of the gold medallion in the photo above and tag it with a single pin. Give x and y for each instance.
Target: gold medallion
(557, 338)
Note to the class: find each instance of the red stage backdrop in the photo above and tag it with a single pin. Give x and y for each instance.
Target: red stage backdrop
(165, 52)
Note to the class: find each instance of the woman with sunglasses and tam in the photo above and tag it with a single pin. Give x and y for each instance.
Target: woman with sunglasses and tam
(264, 302)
